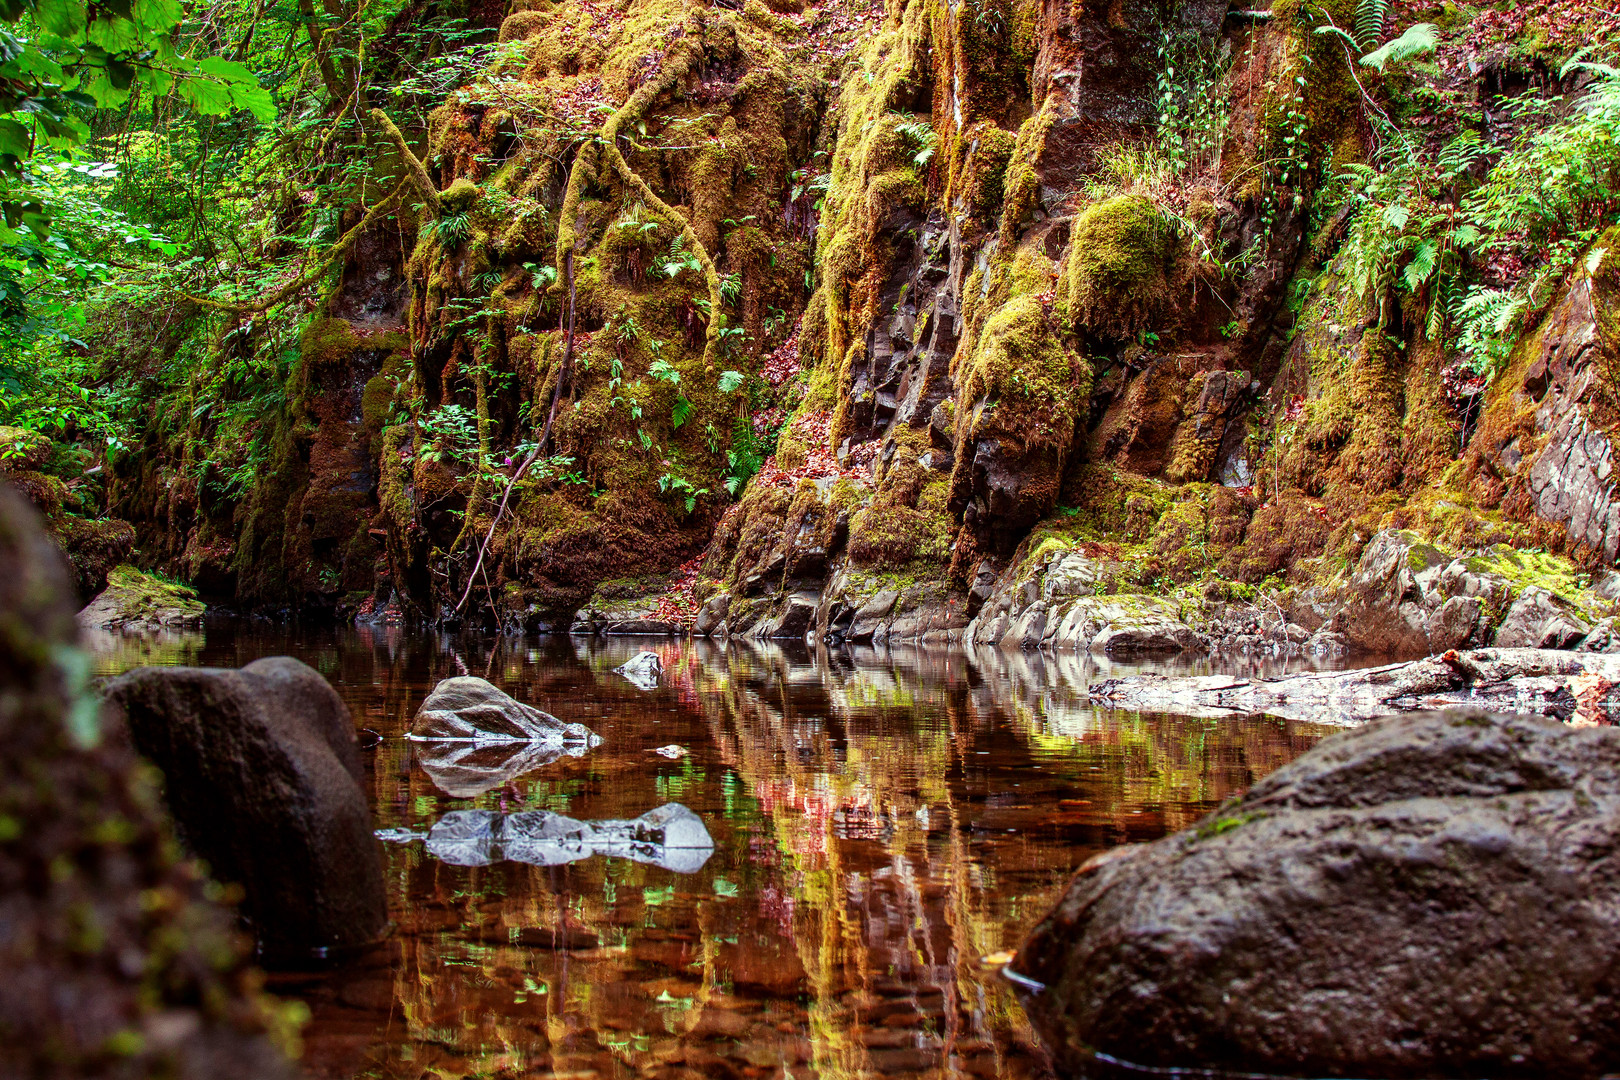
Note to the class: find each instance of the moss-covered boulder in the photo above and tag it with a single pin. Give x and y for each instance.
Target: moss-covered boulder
(137, 601)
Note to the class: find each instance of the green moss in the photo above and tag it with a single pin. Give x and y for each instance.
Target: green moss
(979, 188)
(1527, 569)
(1022, 371)
(1122, 255)
(141, 593)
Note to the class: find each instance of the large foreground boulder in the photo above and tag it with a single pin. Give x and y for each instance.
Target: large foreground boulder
(1431, 895)
(263, 777)
(113, 962)
(469, 708)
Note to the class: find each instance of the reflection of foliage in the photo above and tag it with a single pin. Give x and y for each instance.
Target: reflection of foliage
(863, 859)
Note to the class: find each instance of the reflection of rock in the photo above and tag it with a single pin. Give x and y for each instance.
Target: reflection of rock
(462, 769)
(644, 669)
(136, 601)
(671, 837)
(263, 777)
(1429, 895)
(469, 709)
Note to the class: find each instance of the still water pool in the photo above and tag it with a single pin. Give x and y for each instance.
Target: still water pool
(883, 821)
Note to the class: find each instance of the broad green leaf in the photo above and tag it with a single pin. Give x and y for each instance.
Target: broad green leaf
(65, 17)
(15, 138)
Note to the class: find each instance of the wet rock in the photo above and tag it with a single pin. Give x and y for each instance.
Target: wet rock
(625, 607)
(1538, 620)
(644, 669)
(1430, 895)
(86, 851)
(135, 601)
(1070, 575)
(469, 708)
(263, 777)
(670, 836)
(1531, 680)
(1604, 638)
(712, 616)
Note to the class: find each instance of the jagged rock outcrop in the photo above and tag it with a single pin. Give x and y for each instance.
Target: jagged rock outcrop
(262, 774)
(1428, 895)
(939, 295)
(116, 963)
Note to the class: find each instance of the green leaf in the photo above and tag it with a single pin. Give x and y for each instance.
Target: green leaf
(15, 139)
(64, 17)
(730, 381)
(159, 16)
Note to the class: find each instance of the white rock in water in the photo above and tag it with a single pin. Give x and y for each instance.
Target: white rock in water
(672, 751)
(469, 709)
(644, 669)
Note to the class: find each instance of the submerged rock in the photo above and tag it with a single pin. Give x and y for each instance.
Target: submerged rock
(137, 601)
(644, 669)
(1568, 686)
(1429, 895)
(467, 708)
(263, 777)
(670, 836)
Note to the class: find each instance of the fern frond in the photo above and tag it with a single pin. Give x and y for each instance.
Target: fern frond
(1419, 40)
(1422, 266)
(1370, 17)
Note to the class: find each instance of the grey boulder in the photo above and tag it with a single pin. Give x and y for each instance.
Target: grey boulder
(1431, 895)
(1539, 620)
(262, 774)
(469, 709)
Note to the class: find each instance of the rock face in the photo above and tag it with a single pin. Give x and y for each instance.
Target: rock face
(86, 847)
(470, 709)
(1409, 595)
(137, 601)
(1429, 895)
(670, 836)
(263, 778)
(1579, 687)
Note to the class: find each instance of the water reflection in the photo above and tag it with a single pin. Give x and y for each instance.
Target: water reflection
(881, 820)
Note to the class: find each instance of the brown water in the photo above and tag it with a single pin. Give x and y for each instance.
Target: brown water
(882, 821)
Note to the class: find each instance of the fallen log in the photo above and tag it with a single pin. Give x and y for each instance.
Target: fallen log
(1580, 688)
